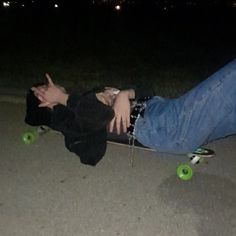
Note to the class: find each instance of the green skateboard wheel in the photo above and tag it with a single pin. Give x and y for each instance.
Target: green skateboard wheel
(29, 137)
(184, 172)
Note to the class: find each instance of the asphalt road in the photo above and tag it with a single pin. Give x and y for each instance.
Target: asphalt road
(46, 191)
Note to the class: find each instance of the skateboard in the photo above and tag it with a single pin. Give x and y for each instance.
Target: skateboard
(183, 171)
(33, 133)
(199, 156)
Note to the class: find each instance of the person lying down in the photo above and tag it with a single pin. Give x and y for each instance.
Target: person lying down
(180, 125)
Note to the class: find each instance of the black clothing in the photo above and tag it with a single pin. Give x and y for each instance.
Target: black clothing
(82, 122)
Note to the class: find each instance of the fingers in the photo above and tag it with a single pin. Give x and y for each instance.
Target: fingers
(39, 93)
(125, 122)
(45, 93)
(118, 130)
(44, 104)
(111, 126)
(115, 122)
(121, 123)
(50, 82)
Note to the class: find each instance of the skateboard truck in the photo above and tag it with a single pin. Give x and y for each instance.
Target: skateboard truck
(185, 171)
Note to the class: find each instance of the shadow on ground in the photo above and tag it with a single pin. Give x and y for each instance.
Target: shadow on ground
(214, 203)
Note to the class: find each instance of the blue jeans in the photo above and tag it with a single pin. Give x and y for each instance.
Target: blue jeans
(205, 113)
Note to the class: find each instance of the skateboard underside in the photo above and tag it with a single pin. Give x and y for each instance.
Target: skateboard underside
(183, 171)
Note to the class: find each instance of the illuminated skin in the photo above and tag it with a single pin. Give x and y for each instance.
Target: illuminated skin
(51, 95)
(121, 107)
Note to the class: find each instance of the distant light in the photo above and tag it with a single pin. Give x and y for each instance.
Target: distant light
(23, 5)
(117, 7)
(234, 4)
(56, 5)
(6, 4)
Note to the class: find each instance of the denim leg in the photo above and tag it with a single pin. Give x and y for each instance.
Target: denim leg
(210, 108)
(205, 113)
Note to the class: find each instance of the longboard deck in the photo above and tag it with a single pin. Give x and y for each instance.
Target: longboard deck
(183, 171)
(123, 140)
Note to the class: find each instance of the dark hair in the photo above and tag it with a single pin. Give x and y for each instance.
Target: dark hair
(36, 115)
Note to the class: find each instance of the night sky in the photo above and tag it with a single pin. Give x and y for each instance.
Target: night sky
(98, 40)
(157, 3)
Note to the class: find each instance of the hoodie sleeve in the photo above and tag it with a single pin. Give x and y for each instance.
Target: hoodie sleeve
(73, 100)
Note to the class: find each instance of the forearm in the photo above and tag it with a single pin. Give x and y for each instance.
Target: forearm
(130, 93)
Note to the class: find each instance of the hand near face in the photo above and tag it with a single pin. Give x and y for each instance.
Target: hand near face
(51, 94)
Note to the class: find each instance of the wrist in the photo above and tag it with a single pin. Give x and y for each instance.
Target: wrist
(130, 93)
(63, 99)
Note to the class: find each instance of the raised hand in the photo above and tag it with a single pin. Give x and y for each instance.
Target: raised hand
(50, 94)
